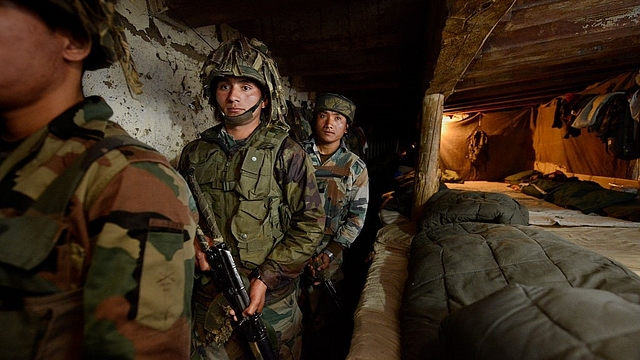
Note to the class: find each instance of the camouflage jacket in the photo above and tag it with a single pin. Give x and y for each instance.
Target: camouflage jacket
(265, 198)
(344, 183)
(125, 254)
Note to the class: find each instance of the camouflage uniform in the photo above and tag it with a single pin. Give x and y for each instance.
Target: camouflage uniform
(119, 279)
(344, 183)
(270, 216)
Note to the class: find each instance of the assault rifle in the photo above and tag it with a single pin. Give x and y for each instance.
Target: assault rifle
(228, 281)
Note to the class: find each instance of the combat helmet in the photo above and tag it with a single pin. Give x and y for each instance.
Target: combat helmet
(337, 103)
(247, 58)
(96, 20)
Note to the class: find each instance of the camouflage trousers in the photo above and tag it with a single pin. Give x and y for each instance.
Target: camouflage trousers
(283, 316)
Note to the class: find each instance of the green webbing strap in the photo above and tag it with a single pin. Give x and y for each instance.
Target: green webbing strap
(27, 147)
(55, 198)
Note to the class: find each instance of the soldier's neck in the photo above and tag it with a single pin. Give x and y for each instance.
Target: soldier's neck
(328, 148)
(19, 123)
(242, 131)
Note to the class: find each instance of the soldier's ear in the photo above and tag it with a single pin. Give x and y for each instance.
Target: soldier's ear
(74, 48)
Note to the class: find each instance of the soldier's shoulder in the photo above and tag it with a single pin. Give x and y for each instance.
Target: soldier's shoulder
(129, 160)
(359, 162)
(290, 145)
(349, 157)
(133, 150)
(195, 144)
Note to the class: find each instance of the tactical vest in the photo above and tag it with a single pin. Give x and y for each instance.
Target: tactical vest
(243, 191)
(44, 323)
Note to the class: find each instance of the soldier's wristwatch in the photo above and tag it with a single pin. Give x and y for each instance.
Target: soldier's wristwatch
(329, 254)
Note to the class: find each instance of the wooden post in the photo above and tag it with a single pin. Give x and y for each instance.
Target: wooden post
(427, 164)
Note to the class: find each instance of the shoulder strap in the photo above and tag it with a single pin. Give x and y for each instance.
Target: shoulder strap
(57, 195)
(274, 136)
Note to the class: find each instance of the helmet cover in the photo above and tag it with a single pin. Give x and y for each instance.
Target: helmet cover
(337, 103)
(248, 58)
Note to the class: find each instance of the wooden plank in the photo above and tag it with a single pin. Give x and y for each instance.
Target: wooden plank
(348, 20)
(527, 92)
(545, 12)
(554, 61)
(465, 32)
(603, 24)
(591, 52)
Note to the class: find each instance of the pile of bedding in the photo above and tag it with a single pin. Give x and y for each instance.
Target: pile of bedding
(586, 196)
(477, 272)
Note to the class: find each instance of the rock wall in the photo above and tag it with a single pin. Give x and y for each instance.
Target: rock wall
(171, 111)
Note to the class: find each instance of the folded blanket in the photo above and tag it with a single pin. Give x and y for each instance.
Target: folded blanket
(538, 323)
(451, 206)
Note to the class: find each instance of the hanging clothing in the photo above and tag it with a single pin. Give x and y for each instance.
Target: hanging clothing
(478, 148)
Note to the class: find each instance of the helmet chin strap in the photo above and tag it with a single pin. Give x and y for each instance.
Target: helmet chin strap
(243, 118)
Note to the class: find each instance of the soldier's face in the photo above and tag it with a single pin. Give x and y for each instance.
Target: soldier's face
(30, 56)
(330, 126)
(235, 95)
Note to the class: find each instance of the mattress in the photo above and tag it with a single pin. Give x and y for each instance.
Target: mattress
(377, 328)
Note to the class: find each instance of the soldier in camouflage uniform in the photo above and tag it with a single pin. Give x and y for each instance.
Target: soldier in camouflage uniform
(344, 183)
(96, 246)
(260, 185)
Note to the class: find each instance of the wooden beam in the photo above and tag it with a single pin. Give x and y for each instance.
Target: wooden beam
(468, 25)
(426, 181)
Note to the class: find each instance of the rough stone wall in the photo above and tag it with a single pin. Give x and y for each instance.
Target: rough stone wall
(171, 111)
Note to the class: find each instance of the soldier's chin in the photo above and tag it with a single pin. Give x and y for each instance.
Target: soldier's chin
(241, 119)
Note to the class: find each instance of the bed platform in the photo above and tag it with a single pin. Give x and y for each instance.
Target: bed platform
(387, 324)
(612, 237)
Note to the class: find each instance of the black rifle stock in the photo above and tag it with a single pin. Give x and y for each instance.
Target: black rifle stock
(327, 285)
(228, 280)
